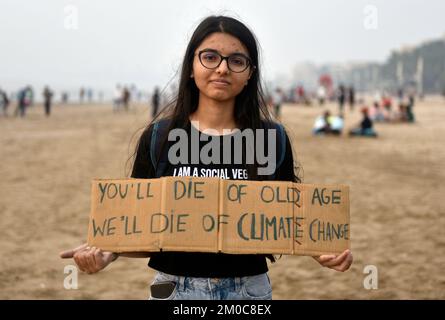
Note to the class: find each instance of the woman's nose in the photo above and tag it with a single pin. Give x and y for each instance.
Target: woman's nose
(223, 67)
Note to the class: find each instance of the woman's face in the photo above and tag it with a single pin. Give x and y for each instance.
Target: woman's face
(220, 84)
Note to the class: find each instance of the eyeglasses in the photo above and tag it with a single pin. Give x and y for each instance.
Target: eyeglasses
(236, 62)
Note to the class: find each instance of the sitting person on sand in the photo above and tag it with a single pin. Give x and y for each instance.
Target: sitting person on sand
(402, 114)
(387, 107)
(337, 125)
(327, 124)
(377, 114)
(365, 129)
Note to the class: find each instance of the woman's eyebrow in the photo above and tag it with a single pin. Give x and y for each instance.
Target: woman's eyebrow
(209, 49)
(214, 50)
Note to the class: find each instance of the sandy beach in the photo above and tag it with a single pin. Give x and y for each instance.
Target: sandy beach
(396, 197)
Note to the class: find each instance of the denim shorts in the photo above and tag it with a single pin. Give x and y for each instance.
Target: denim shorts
(256, 287)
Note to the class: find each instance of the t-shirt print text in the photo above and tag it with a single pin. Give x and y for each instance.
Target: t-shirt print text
(222, 173)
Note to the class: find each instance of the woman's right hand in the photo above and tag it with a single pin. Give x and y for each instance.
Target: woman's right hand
(89, 259)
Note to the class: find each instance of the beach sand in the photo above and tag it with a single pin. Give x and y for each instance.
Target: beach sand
(396, 185)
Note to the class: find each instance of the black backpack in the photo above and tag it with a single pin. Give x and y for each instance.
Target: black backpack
(160, 130)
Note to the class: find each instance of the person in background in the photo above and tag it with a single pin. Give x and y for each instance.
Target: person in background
(47, 97)
(365, 129)
(64, 97)
(22, 103)
(351, 97)
(81, 94)
(126, 98)
(134, 92)
(376, 114)
(400, 96)
(277, 101)
(117, 98)
(337, 125)
(409, 108)
(155, 101)
(4, 102)
(321, 95)
(341, 98)
(90, 95)
(387, 107)
(328, 124)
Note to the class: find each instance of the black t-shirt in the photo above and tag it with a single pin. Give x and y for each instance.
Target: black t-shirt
(195, 264)
(366, 123)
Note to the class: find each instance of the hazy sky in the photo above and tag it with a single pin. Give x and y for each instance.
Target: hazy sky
(143, 41)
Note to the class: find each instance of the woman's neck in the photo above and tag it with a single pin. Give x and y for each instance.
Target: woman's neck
(215, 115)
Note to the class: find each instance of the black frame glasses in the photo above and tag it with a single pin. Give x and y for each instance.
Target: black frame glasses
(227, 58)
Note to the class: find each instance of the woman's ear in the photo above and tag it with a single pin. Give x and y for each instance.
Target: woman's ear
(191, 76)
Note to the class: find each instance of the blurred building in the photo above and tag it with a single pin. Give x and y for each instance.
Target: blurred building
(421, 67)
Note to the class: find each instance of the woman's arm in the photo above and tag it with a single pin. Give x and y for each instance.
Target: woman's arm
(341, 262)
(338, 263)
(92, 259)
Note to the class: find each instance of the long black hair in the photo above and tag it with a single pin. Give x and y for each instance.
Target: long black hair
(251, 110)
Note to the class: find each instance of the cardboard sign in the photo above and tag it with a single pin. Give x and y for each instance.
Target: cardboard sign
(216, 215)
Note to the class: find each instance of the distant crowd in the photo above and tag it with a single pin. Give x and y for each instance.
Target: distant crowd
(384, 108)
(24, 98)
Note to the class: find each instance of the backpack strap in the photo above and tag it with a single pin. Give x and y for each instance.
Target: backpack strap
(159, 131)
(281, 144)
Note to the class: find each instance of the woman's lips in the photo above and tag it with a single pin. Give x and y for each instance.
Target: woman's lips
(220, 82)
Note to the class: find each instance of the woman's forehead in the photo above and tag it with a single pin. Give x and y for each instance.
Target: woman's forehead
(224, 43)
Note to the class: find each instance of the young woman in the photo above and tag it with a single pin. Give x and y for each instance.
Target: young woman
(219, 89)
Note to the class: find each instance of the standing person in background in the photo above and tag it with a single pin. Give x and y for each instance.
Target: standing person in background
(277, 101)
(134, 92)
(29, 96)
(400, 96)
(351, 97)
(377, 100)
(47, 97)
(117, 98)
(90, 95)
(64, 97)
(300, 94)
(4, 102)
(126, 98)
(341, 98)
(81, 95)
(321, 95)
(410, 106)
(21, 103)
(155, 101)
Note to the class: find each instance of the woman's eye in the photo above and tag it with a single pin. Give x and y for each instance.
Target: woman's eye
(238, 61)
(210, 57)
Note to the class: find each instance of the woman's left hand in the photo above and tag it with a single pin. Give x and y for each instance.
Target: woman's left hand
(338, 263)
